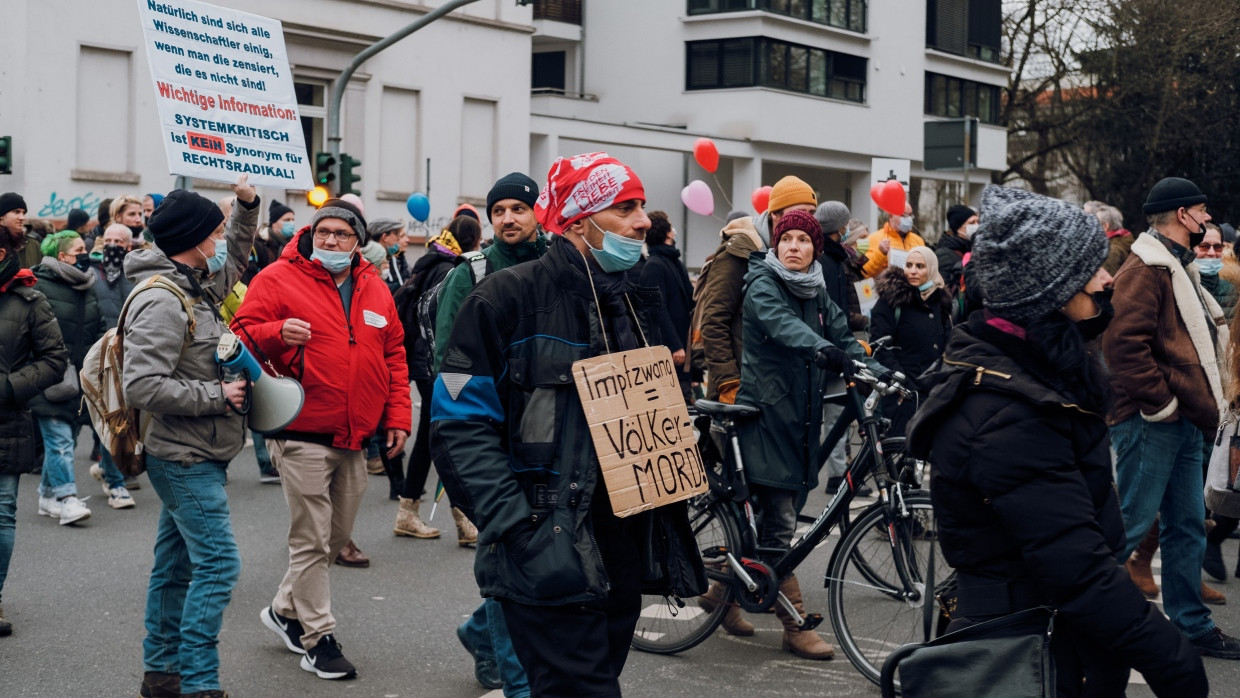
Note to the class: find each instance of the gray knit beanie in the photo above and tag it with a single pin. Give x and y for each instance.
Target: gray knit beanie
(1033, 253)
(832, 216)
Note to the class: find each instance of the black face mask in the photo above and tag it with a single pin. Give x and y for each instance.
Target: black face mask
(1091, 328)
(1194, 239)
(136, 230)
(82, 261)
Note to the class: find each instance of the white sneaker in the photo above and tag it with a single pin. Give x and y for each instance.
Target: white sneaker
(72, 510)
(96, 471)
(119, 498)
(48, 506)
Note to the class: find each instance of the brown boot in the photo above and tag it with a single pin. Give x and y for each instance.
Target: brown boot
(1213, 597)
(733, 621)
(1139, 564)
(803, 643)
(466, 532)
(352, 556)
(409, 523)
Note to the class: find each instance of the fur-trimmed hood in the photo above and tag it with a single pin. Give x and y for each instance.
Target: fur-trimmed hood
(892, 286)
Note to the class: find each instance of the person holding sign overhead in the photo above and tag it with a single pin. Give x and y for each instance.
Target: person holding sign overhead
(510, 438)
(795, 339)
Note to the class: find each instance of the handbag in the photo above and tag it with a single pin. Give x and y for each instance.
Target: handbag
(68, 388)
(1220, 491)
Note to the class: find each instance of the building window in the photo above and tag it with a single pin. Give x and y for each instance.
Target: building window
(548, 71)
(104, 110)
(567, 11)
(965, 27)
(761, 62)
(955, 98)
(312, 105)
(843, 14)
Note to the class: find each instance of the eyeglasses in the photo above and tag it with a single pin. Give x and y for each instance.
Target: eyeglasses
(1206, 247)
(324, 234)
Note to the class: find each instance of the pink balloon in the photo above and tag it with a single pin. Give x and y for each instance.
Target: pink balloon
(698, 197)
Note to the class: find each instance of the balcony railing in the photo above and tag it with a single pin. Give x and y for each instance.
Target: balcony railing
(567, 11)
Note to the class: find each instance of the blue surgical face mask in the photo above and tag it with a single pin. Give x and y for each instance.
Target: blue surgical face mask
(393, 249)
(618, 254)
(926, 286)
(905, 224)
(216, 261)
(332, 260)
(287, 229)
(1210, 267)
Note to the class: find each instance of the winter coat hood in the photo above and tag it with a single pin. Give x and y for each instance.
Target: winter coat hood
(745, 235)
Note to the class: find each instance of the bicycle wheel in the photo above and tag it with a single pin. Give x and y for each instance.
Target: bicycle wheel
(868, 580)
(662, 627)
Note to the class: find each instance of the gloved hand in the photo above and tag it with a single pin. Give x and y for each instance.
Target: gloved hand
(834, 359)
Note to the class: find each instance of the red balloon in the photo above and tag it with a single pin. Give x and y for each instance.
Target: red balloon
(706, 154)
(761, 198)
(889, 196)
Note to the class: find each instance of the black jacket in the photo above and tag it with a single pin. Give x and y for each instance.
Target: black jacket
(512, 446)
(428, 272)
(840, 270)
(33, 358)
(919, 334)
(1027, 511)
(951, 250)
(664, 271)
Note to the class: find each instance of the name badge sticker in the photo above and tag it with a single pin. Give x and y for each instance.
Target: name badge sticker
(374, 319)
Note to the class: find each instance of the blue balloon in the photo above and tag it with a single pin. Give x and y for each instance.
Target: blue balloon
(419, 206)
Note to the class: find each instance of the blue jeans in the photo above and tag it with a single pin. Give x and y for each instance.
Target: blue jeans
(59, 439)
(262, 455)
(112, 475)
(8, 523)
(1158, 470)
(196, 568)
(487, 632)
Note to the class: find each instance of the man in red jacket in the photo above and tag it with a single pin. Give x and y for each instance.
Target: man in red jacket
(323, 315)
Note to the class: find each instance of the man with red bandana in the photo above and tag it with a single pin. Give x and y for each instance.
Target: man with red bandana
(512, 445)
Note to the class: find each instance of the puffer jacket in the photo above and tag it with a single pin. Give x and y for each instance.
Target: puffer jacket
(720, 295)
(876, 259)
(919, 336)
(1028, 513)
(33, 358)
(779, 376)
(353, 368)
(510, 439)
(76, 308)
(173, 377)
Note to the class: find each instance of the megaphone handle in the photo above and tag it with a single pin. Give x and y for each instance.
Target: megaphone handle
(247, 401)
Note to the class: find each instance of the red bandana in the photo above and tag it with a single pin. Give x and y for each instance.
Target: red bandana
(584, 185)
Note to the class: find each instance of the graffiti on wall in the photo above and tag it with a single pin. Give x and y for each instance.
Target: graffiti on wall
(57, 206)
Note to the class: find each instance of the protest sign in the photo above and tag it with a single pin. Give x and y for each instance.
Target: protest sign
(866, 295)
(225, 94)
(897, 258)
(640, 428)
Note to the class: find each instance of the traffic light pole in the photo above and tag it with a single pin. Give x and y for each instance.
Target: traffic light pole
(337, 95)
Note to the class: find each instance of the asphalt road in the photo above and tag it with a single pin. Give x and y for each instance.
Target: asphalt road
(76, 594)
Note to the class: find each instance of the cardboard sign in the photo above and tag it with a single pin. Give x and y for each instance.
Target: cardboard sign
(640, 428)
(225, 94)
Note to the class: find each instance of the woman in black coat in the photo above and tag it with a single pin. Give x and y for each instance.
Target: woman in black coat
(914, 310)
(1014, 424)
(32, 359)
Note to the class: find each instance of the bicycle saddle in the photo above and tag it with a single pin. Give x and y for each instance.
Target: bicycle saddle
(723, 409)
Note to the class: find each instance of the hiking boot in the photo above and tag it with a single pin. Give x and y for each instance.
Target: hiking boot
(1138, 565)
(326, 661)
(806, 644)
(119, 498)
(466, 532)
(157, 684)
(351, 556)
(1212, 596)
(409, 523)
(1217, 644)
(48, 506)
(1213, 562)
(213, 693)
(289, 629)
(72, 510)
(734, 622)
(6, 628)
(374, 466)
(486, 672)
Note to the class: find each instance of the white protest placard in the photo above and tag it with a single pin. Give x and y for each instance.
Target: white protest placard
(897, 258)
(225, 94)
(866, 295)
(641, 430)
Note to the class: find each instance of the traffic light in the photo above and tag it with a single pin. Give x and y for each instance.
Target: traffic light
(324, 175)
(6, 155)
(348, 177)
(316, 196)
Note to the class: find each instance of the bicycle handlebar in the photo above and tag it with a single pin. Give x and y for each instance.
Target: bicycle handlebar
(887, 383)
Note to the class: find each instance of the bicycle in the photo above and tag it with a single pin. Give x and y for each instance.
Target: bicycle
(875, 575)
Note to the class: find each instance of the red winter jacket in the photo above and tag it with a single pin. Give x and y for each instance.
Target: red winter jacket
(353, 369)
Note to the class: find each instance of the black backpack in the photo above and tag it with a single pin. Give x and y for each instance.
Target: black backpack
(421, 310)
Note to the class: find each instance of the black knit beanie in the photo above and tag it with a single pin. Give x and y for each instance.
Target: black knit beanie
(11, 201)
(1034, 253)
(1170, 194)
(183, 220)
(77, 219)
(957, 215)
(514, 185)
(276, 211)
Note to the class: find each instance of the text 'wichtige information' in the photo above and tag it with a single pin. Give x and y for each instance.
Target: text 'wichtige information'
(225, 94)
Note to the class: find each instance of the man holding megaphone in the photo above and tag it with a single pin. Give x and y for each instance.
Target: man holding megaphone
(322, 315)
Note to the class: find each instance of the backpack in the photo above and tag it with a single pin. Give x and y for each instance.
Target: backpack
(428, 302)
(120, 428)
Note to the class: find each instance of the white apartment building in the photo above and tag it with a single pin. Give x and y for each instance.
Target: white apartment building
(814, 88)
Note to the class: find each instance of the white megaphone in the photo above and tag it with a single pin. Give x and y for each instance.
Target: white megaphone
(274, 402)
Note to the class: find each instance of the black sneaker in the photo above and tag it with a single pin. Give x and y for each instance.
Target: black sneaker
(1218, 644)
(289, 629)
(325, 660)
(157, 684)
